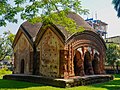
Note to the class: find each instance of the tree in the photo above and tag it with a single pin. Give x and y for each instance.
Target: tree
(116, 4)
(54, 11)
(6, 45)
(112, 54)
(8, 12)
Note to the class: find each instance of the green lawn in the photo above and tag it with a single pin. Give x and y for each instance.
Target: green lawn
(16, 85)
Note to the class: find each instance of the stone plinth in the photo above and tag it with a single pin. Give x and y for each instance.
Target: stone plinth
(71, 82)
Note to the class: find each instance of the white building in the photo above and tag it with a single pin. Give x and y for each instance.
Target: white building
(99, 26)
(115, 39)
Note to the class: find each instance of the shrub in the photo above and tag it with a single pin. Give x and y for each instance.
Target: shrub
(4, 71)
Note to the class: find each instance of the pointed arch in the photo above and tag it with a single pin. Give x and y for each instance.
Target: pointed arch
(19, 33)
(54, 29)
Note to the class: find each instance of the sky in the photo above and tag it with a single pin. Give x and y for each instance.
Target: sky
(105, 12)
(103, 8)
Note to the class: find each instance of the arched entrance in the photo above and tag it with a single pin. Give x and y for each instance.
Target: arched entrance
(89, 43)
(88, 69)
(96, 64)
(78, 64)
(22, 66)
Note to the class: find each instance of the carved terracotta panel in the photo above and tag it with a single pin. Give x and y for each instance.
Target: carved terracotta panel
(50, 46)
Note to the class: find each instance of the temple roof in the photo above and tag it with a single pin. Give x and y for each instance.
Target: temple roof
(79, 21)
(31, 30)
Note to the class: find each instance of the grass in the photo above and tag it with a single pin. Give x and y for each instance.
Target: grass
(17, 85)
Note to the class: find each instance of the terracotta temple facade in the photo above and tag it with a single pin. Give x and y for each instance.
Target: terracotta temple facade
(50, 51)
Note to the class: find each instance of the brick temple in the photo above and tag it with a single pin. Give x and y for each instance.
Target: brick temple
(51, 51)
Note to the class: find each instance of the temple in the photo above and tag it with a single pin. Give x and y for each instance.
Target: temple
(51, 51)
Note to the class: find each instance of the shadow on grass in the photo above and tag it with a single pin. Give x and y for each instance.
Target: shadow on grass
(111, 85)
(9, 84)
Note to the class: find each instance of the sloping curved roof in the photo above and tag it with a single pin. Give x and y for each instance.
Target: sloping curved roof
(83, 35)
(31, 30)
(51, 26)
(79, 21)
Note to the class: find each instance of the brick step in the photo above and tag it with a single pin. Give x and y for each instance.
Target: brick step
(58, 82)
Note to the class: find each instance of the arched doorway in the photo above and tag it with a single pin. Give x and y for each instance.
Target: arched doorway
(22, 66)
(78, 64)
(89, 38)
(88, 69)
(96, 64)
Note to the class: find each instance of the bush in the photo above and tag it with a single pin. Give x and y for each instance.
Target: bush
(4, 71)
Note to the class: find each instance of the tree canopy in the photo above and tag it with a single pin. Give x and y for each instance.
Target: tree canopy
(6, 45)
(54, 11)
(116, 4)
(112, 54)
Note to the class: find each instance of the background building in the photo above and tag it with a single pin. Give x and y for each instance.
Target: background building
(115, 39)
(99, 26)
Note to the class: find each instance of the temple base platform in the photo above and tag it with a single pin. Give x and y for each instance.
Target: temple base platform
(70, 82)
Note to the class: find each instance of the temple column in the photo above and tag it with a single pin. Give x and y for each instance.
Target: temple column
(102, 59)
(72, 59)
(92, 55)
(83, 51)
(63, 70)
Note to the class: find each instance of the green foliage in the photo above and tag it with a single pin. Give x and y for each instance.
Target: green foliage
(61, 19)
(7, 58)
(116, 4)
(54, 11)
(46, 7)
(8, 12)
(6, 45)
(112, 54)
(4, 71)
